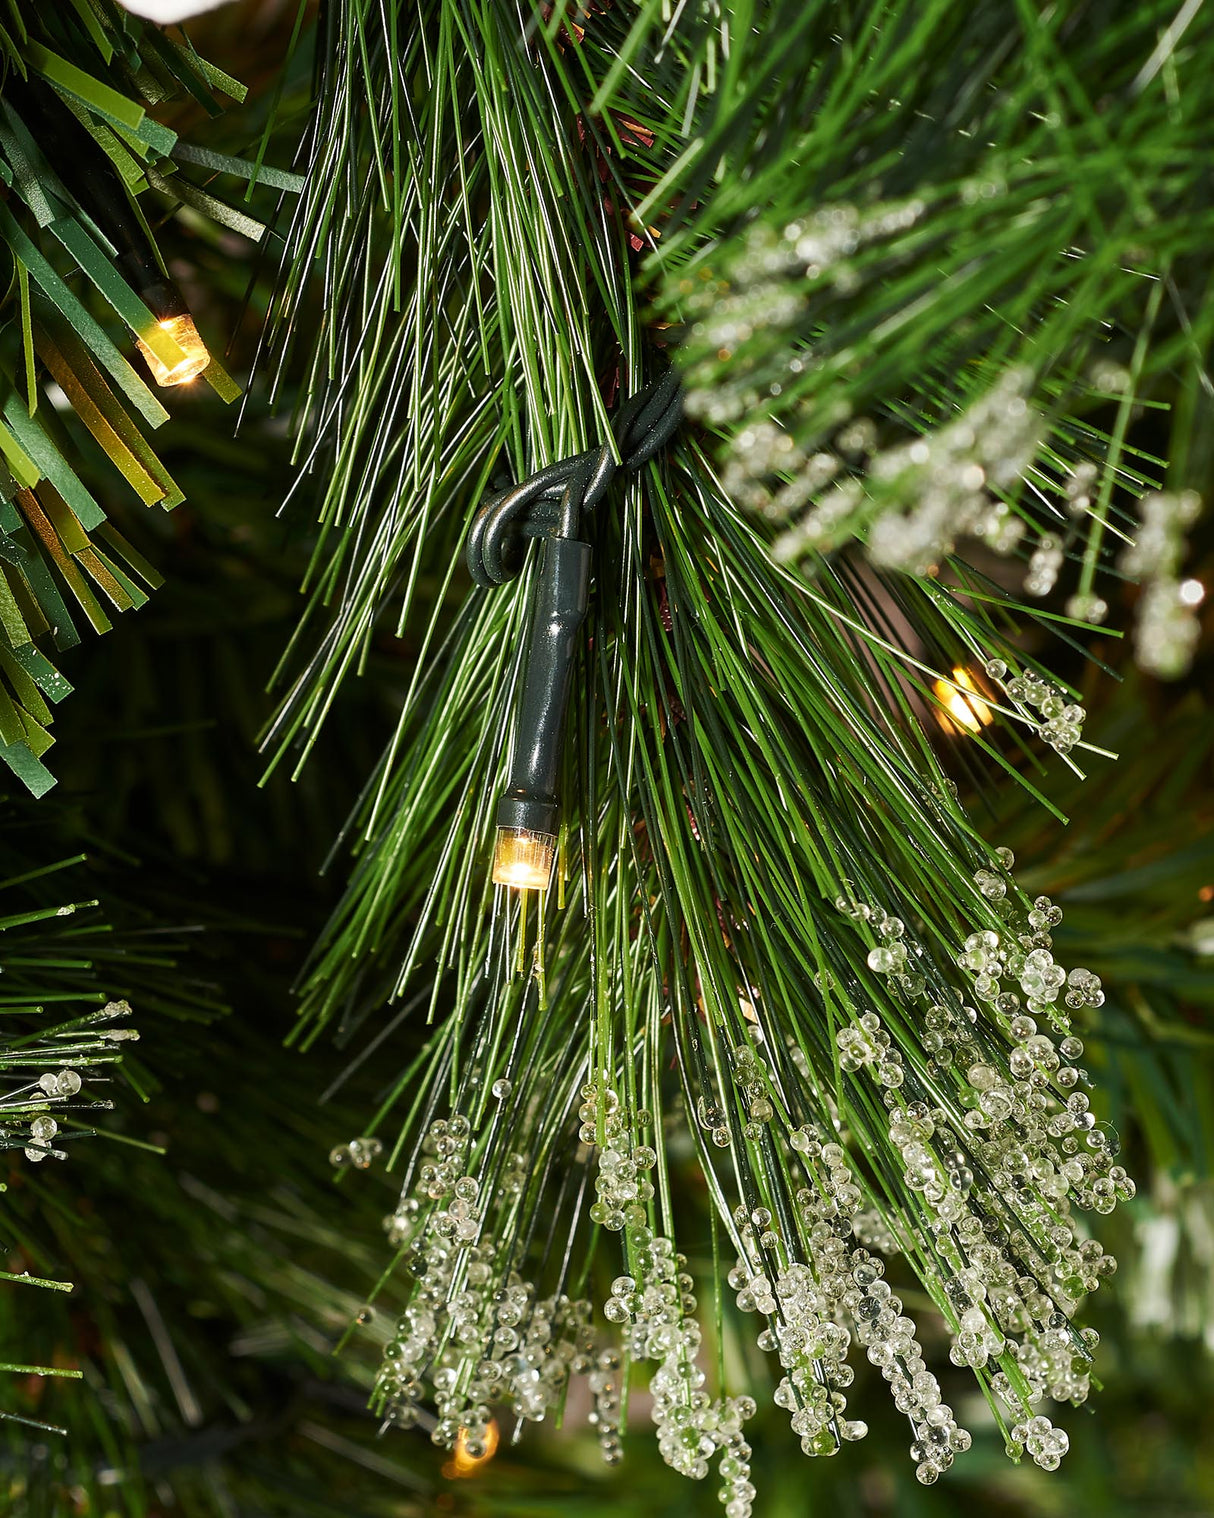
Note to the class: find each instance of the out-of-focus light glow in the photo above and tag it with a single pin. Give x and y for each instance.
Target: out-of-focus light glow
(470, 1454)
(170, 12)
(961, 712)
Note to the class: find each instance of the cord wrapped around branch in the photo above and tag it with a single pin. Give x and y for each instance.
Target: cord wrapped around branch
(551, 502)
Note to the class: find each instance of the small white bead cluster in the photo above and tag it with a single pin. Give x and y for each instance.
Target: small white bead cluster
(606, 1382)
(59, 1083)
(474, 1330)
(42, 1130)
(888, 1337)
(658, 1306)
(27, 1120)
(807, 1303)
(853, 1278)
(764, 288)
(976, 1340)
(1019, 1264)
(918, 499)
(1167, 627)
(1056, 718)
(873, 1232)
(913, 502)
(1084, 606)
(890, 956)
(1040, 1439)
(1049, 1365)
(1045, 562)
(751, 1080)
(359, 1152)
(810, 1345)
(948, 475)
(622, 1186)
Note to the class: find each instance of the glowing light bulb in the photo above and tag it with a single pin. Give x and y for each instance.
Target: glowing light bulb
(1192, 592)
(471, 1452)
(962, 712)
(523, 859)
(185, 334)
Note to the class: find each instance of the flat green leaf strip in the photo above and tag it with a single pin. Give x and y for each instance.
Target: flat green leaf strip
(167, 69)
(14, 624)
(27, 690)
(36, 735)
(117, 447)
(31, 732)
(53, 465)
(45, 676)
(25, 176)
(241, 168)
(128, 166)
(29, 769)
(147, 571)
(215, 77)
(220, 381)
(64, 563)
(12, 729)
(118, 589)
(209, 205)
(72, 365)
(16, 563)
(34, 579)
(151, 140)
(85, 326)
(71, 534)
(27, 336)
(94, 28)
(25, 471)
(97, 96)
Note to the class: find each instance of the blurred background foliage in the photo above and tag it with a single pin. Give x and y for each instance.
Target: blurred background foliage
(214, 1281)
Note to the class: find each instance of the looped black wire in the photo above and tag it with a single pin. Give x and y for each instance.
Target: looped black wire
(551, 502)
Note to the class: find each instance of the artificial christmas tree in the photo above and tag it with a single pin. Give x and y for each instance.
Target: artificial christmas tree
(769, 1006)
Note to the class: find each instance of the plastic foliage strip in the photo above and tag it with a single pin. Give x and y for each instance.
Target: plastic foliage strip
(777, 951)
(78, 152)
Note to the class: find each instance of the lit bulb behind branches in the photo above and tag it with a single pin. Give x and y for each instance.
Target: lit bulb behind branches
(963, 710)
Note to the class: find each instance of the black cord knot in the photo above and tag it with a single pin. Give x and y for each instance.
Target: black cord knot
(551, 502)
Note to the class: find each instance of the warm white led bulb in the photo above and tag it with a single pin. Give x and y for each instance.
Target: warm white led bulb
(523, 859)
(185, 334)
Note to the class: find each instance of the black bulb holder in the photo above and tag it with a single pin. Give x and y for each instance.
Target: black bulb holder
(562, 594)
(551, 507)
